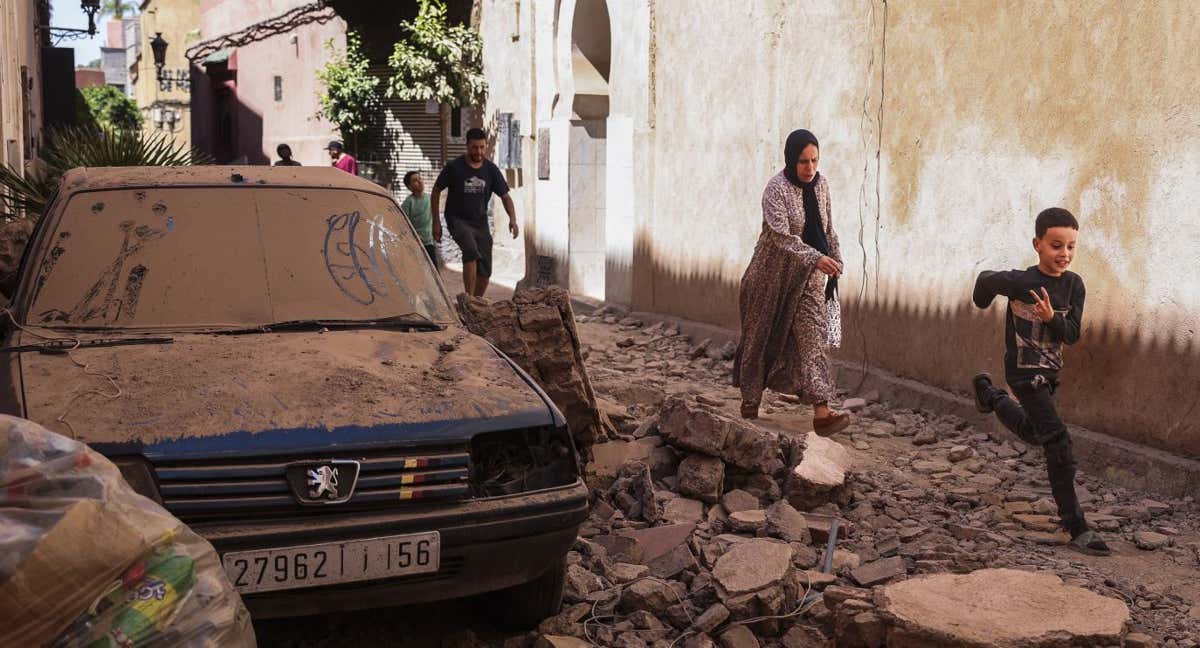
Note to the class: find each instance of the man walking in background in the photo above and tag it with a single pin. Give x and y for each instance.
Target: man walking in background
(285, 156)
(342, 159)
(470, 180)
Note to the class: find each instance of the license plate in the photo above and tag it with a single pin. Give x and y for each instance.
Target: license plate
(264, 570)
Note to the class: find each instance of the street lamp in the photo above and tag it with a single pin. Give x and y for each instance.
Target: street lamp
(89, 7)
(159, 46)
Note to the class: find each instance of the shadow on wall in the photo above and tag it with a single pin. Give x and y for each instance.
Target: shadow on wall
(1128, 385)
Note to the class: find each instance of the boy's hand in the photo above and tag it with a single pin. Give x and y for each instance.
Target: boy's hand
(1042, 306)
(829, 266)
(512, 227)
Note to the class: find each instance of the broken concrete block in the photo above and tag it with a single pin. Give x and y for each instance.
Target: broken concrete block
(622, 573)
(692, 427)
(658, 541)
(682, 510)
(786, 523)
(998, 607)
(714, 616)
(673, 562)
(579, 583)
(702, 476)
(739, 500)
(607, 459)
(558, 641)
(689, 425)
(536, 329)
(799, 636)
(748, 521)
(879, 571)
(651, 595)
(820, 477)
(738, 636)
(854, 404)
(751, 566)
(1149, 540)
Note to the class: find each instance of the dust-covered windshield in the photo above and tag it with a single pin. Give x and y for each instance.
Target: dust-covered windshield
(206, 257)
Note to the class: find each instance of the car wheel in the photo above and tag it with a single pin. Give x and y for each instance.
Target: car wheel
(524, 606)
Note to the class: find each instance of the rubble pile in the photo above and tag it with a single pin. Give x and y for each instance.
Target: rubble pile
(709, 530)
(536, 329)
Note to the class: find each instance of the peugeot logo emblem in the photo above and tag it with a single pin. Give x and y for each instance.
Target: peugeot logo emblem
(323, 482)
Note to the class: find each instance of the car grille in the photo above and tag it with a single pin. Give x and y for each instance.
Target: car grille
(258, 487)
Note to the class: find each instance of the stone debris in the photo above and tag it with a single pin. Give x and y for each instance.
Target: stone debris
(999, 607)
(821, 474)
(536, 329)
(705, 523)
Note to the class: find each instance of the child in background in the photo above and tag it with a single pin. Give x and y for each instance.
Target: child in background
(416, 207)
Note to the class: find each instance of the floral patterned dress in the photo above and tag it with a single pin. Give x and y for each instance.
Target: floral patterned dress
(782, 302)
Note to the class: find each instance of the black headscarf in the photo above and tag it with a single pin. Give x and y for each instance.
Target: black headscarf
(814, 233)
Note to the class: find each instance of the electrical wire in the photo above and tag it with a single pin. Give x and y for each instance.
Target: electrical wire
(87, 370)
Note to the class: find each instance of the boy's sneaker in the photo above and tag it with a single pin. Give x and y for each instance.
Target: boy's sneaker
(1090, 543)
(985, 393)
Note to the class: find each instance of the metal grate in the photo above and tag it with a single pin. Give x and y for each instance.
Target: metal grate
(259, 487)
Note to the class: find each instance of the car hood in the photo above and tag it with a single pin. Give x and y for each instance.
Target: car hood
(205, 395)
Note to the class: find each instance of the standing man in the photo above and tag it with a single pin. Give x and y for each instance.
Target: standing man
(342, 159)
(471, 180)
(285, 156)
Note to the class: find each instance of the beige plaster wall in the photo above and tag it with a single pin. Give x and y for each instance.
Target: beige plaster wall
(945, 128)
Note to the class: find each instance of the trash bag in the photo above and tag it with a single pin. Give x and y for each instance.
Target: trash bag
(86, 561)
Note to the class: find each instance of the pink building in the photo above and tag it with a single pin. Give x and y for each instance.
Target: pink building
(253, 89)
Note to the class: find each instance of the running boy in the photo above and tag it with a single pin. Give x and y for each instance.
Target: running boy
(416, 207)
(1045, 311)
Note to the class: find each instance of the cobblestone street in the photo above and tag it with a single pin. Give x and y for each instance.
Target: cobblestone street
(673, 557)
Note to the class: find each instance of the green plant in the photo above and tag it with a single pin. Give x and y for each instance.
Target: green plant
(351, 94)
(438, 62)
(67, 148)
(118, 8)
(110, 108)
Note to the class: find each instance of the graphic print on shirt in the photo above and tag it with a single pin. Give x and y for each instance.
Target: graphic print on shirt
(1036, 346)
(474, 185)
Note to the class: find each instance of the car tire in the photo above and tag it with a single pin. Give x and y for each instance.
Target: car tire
(524, 606)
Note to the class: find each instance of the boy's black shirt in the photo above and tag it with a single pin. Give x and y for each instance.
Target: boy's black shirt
(1034, 347)
(470, 190)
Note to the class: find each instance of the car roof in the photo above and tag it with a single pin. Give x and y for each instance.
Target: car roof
(94, 178)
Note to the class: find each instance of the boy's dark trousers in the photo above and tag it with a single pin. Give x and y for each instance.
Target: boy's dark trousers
(1035, 420)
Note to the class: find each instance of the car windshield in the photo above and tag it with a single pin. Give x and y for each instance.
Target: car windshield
(227, 257)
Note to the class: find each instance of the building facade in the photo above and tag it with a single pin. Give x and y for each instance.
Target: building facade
(20, 82)
(254, 88)
(118, 57)
(648, 137)
(164, 96)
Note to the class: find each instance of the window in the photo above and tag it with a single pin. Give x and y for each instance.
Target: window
(278, 88)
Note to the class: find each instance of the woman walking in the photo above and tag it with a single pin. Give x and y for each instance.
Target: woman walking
(785, 290)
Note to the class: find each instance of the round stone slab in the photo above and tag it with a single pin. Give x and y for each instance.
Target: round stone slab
(999, 608)
(752, 565)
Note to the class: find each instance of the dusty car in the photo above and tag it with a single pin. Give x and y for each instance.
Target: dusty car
(269, 353)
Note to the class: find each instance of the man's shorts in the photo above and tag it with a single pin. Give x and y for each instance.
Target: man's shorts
(476, 245)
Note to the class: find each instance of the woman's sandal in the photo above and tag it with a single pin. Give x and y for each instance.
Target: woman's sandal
(749, 410)
(832, 424)
(1090, 543)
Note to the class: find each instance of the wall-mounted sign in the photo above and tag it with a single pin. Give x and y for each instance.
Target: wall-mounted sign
(175, 80)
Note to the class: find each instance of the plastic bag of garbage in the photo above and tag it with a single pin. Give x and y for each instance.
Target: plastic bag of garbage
(86, 561)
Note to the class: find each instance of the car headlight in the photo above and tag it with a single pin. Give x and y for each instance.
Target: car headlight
(518, 461)
(138, 474)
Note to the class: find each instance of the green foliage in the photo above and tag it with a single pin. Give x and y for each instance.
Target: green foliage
(437, 61)
(110, 108)
(118, 8)
(351, 94)
(68, 148)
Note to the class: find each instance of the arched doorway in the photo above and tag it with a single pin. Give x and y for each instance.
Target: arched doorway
(591, 53)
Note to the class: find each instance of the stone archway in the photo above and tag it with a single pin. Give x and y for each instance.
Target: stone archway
(591, 55)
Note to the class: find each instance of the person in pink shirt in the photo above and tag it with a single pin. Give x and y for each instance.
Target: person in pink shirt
(342, 159)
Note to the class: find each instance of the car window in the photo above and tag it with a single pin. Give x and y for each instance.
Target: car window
(231, 257)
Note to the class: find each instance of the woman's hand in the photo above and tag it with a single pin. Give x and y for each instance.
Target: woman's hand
(829, 266)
